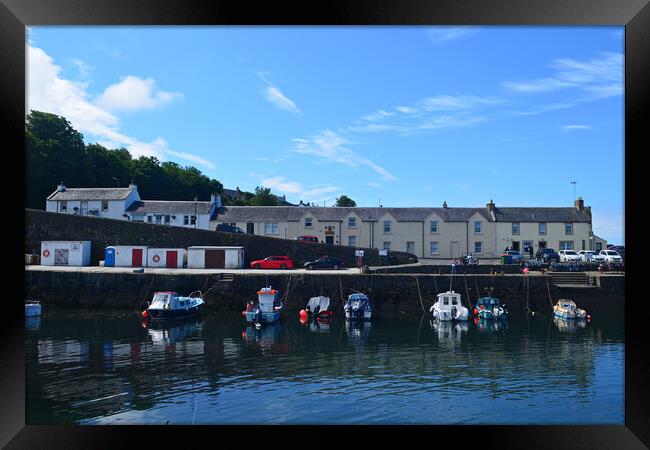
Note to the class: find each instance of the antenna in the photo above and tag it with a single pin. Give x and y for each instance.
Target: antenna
(574, 191)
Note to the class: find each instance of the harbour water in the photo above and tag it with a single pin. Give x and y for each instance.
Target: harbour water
(107, 368)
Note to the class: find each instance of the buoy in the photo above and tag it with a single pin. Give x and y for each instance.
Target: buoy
(525, 270)
(145, 314)
(243, 313)
(588, 317)
(303, 320)
(303, 314)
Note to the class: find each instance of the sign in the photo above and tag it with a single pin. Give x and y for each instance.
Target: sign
(75, 247)
(383, 252)
(358, 253)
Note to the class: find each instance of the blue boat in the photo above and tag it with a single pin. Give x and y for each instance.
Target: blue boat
(490, 308)
(358, 307)
(169, 306)
(268, 308)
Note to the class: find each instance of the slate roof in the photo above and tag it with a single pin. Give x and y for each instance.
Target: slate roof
(169, 207)
(335, 214)
(91, 194)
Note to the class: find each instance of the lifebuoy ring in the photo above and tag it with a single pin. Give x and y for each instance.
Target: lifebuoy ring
(156, 258)
(46, 253)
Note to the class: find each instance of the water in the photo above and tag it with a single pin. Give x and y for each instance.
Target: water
(106, 368)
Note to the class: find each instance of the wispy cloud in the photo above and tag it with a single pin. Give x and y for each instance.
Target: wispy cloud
(134, 94)
(440, 35)
(374, 185)
(275, 96)
(568, 128)
(315, 193)
(83, 68)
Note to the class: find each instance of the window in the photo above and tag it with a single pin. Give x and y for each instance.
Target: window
(352, 222)
(477, 227)
(63, 206)
(542, 228)
(566, 245)
(104, 205)
(167, 218)
(150, 219)
(434, 226)
(192, 220)
(434, 248)
(352, 241)
(386, 245)
(186, 220)
(410, 247)
(158, 218)
(515, 228)
(386, 226)
(568, 228)
(478, 245)
(446, 300)
(137, 217)
(308, 222)
(271, 228)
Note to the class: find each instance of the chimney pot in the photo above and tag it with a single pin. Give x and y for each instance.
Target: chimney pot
(444, 204)
(61, 187)
(490, 206)
(580, 204)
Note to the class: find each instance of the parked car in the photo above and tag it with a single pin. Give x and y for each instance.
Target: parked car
(229, 228)
(547, 255)
(274, 262)
(516, 256)
(611, 256)
(307, 238)
(618, 248)
(324, 262)
(590, 256)
(568, 256)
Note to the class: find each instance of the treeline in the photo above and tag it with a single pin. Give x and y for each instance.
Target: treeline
(56, 152)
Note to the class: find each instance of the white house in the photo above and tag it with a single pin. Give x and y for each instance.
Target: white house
(189, 214)
(98, 202)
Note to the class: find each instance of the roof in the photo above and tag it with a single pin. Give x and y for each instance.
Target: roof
(170, 207)
(336, 214)
(91, 194)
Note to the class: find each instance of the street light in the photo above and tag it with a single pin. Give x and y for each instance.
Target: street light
(196, 199)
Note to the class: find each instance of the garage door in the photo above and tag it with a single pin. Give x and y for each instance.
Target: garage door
(215, 259)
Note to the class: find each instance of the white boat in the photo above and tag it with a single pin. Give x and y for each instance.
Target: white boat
(449, 307)
(268, 309)
(567, 309)
(318, 307)
(358, 307)
(168, 305)
(32, 308)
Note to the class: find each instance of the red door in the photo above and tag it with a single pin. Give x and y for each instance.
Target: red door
(172, 258)
(136, 258)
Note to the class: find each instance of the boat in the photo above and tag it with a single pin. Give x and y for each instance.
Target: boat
(567, 309)
(318, 307)
(268, 307)
(449, 307)
(32, 308)
(490, 308)
(358, 307)
(169, 305)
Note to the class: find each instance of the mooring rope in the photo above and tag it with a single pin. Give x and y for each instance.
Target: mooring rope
(435, 282)
(341, 290)
(153, 276)
(417, 280)
(550, 299)
(467, 292)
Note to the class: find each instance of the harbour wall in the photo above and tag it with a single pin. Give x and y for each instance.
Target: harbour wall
(389, 293)
(102, 232)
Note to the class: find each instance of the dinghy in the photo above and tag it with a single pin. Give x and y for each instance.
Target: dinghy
(32, 308)
(567, 309)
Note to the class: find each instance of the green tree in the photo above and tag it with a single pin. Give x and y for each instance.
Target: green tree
(263, 197)
(345, 201)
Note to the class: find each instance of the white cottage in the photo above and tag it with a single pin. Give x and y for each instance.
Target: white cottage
(98, 202)
(65, 253)
(170, 258)
(199, 257)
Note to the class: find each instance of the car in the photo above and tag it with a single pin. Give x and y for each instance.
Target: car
(324, 262)
(516, 256)
(547, 255)
(229, 228)
(307, 238)
(611, 256)
(618, 248)
(274, 262)
(590, 256)
(568, 256)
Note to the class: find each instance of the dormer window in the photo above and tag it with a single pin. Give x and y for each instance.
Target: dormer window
(352, 222)
(307, 222)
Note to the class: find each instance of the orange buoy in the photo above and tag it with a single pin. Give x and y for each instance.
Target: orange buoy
(303, 314)
(243, 313)
(475, 311)
(145, 314)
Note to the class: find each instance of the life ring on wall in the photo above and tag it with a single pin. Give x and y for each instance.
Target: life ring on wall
(156, 258)
(46, 253)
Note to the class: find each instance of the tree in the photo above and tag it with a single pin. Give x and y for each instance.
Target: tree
(345, 201)
(263, 197)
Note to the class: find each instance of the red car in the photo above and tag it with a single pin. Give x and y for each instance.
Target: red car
(274, 262)
(307, 238)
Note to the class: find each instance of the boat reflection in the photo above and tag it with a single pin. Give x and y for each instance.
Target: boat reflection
(320, 325)
(490, 326)
(173, 332)
(32, 323)
(449, 332)
(358, 330)
(569, 325)
(265, 337)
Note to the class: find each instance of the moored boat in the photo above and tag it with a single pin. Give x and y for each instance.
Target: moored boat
(169, 306)
(567, 309)
(449, 307)
(317, 307)
(358, 307)
(32, 308)
(490, 308)
(268, 308)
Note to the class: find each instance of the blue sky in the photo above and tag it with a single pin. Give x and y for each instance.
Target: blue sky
(405, 116)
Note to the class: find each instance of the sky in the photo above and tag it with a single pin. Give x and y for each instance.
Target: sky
(392, 116)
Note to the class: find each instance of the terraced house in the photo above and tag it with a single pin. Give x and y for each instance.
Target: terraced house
(433, 233)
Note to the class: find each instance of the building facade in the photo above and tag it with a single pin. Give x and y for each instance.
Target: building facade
(428, 233)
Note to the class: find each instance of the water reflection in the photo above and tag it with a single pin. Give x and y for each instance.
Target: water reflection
(569, 325)
(32, 323)
(490, 326)
(449, 332)
(358, 331)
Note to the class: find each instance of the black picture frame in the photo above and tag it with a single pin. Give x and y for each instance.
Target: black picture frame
(634, 14)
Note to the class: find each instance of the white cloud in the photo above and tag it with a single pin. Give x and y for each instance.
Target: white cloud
(316, 193)
(133, 94)
(83, 68)
(275, 96)
(374, 185)
(440, 35)
(568, 128)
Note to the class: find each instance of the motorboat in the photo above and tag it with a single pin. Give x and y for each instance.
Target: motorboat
(169, 305)
(567, 309)
(449, 307)
(490, 308)
(268, 307)
(358, 307)
(318, 307)
(32, 308)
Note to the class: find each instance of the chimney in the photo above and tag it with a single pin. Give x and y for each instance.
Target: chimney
(61, 187)
(132, 186)
(215, 199)
(580, 204)
(490, 206)
(444, 204)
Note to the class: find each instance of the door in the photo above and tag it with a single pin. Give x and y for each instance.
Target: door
(172, 259)
(215, 259)
(83, 207)
(541, 244)
(329, 239)
(515, 245)
(250, 228)
(410, 247)
(455, 250)
(136, 257)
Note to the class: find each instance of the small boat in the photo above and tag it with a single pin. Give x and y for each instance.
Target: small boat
(32, 308)
(358, 307)
(267, 309)
(567, 309)
(318, 307)
(169, 305)
(490, 308)
(449, 307)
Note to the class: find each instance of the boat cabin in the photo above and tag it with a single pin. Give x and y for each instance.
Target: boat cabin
(487, 302)
(169, 300)
(567, 305)
(448, 300)
(268, 299)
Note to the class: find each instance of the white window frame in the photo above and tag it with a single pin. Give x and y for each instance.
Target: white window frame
(390, 226)
(568, 226)
(186, 219)
(566, 245)
(352, 222)
(518, 227)
(386, 247)
(539, 228)
(104, 202)
(480, 227)
(479, 249)
(192, 219)
(437, 252)
(271, 228)
(352, 241)
(433, 224)
(308, 222)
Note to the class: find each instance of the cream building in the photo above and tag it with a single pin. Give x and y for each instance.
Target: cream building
(428, 233)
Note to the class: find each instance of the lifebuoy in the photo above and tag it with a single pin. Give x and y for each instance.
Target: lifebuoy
(46, 253)
(156, 258)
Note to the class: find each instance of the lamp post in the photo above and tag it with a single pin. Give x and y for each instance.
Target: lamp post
(196, 206)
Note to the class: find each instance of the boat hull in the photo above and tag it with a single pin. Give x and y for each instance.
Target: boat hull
(489, 315)
(569, 315)
(358, 315)
(32, 309)
(174, 314)
(262, 316)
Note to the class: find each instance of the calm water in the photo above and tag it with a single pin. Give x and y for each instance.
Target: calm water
(106, 368)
